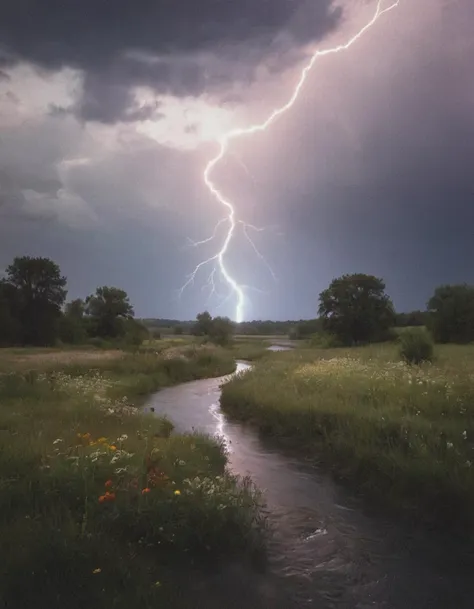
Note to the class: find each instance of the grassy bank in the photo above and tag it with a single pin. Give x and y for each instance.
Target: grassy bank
(401, 435)
(100, 505)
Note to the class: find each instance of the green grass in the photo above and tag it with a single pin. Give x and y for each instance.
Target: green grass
(70, 436)
(402, 435)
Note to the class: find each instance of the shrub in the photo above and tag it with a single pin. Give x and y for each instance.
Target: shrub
(416, 346)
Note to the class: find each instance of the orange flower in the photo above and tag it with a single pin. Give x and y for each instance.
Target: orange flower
(108, 484)
(112, 447)
(146, 490)
(107, 497)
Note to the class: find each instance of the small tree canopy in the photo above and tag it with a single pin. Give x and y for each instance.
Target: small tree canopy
(40, 294)
(451, 311)
(203, 324)
(108, 308)
(221, 330)
(355, 309)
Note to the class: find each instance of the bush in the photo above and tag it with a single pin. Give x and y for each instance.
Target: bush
(416, 346)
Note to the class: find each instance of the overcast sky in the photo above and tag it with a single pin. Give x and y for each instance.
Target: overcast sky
(110, 111)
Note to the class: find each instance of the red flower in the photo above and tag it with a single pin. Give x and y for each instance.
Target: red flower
(146, 490)
(108, 484)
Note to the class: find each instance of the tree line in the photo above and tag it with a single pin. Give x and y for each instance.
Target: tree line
(34, 311)
(355, 309)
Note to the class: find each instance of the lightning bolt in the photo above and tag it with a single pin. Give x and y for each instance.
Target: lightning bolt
(225, 140)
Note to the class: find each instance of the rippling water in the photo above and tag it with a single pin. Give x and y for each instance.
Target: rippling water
(326, 551)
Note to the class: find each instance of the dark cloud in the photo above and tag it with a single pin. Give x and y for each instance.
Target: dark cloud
(152, 42)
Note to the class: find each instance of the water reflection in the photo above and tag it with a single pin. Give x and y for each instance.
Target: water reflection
(325, 549)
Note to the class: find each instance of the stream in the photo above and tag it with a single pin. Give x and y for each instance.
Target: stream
(326, 550)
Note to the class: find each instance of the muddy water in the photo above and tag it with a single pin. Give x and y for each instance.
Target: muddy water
(326, 551)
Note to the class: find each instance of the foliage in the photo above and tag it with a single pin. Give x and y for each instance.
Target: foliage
(35, 295)
(414, 318)
(401, 434)
(221, 330)
(108, 308)
(356, 309)
(416, 346)
(452, 313)
(178, 330)
(305, 329)
(203, 324)
(101, 505)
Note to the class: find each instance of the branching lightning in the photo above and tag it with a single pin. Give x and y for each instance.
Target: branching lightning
(224, 141)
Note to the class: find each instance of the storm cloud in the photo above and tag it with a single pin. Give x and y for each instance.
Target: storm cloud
(109, 115)
(183, 47)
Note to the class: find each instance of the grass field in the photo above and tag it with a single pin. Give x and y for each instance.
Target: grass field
(100, 505)
(402, 435)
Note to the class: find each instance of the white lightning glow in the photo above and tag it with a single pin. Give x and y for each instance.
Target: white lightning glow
(224, 141)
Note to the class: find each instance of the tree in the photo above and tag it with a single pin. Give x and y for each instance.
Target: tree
(451, 310)
(10, 328)
(178, 330)
(355, 309)
(221, 330)
(72, 326)
(203, 324)
(40, 294)
(108, 308)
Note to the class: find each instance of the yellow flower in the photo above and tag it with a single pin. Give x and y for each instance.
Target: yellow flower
(102, 440)
(112, 447)
(177, 492)
(95, 571)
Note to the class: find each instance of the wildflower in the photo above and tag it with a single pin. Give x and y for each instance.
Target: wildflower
(107, 497)
(58, 440)
(464, 434)
(177, 492)
(112, 447)
(98, 570)
(122, 438)
(157, 584)
(181, 462)
(449, 444)
(108, 484)
(146, 490)
(101, 440)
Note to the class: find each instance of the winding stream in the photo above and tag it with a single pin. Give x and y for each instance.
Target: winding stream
(326, 551)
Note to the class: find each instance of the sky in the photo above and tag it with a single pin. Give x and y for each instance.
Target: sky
(110, 112)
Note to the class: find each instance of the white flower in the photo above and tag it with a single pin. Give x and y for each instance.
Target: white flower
(449, 444)
(464, 434)
(58, 441)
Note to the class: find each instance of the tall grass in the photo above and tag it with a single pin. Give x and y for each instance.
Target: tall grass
(402, 434)
(101, 505)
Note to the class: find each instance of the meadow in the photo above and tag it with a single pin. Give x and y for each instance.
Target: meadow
(101, 505)
(401, 435)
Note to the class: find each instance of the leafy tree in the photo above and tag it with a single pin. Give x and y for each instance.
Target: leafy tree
(451, 311)
(10, 327)
(73, 325)
(221, 330)
(178, 330)
(203, 324)
(355, 309)
(40, 294)
(107, 309)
